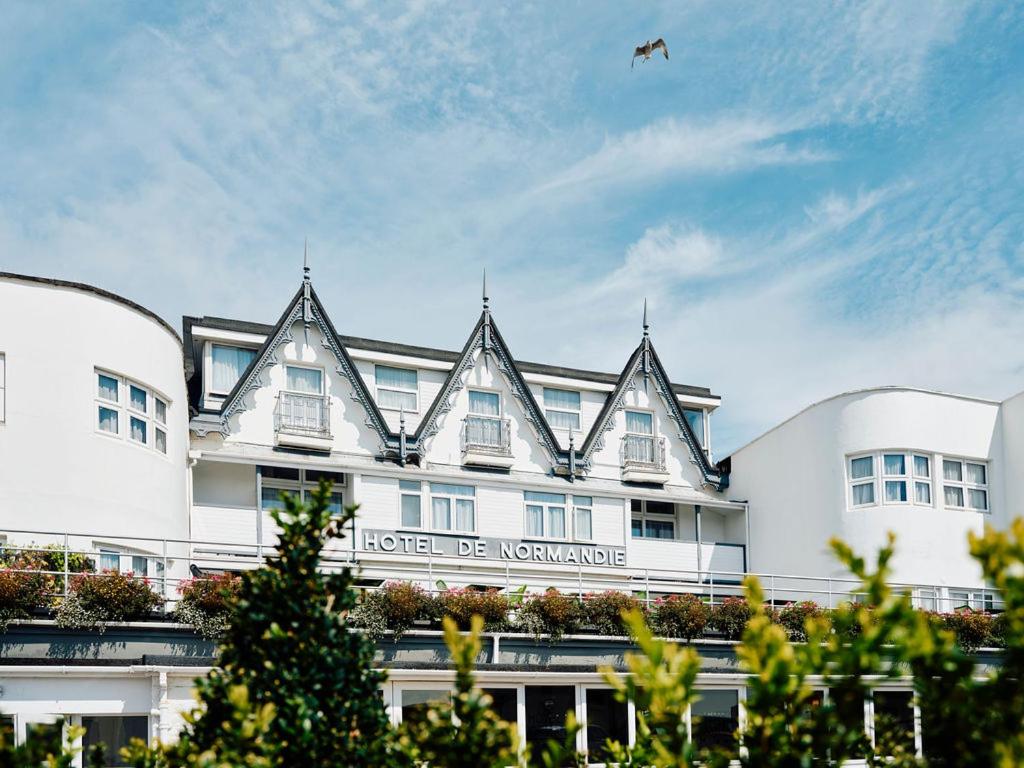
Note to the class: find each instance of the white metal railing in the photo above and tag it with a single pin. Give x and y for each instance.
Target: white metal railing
(174, 561)
(643, 452)
(303, 414)
(487, 434)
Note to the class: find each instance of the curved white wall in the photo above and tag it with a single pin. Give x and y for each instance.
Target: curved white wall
(57, 473)
(795, 478)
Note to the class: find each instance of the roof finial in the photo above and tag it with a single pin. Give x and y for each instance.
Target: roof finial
(305, 259)
(647, 327)
(403, 450)
(487, 301)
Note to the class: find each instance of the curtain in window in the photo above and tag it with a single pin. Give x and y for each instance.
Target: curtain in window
(484, 403)
(108, 420)
(465, 517)
(922, 467)
(864, 493)
(640, 423)
(561, 398)
(411, 510)
(696, 419)
(976, 474)
(138, 398)
(923, 493)
(954, 496)
(305, 380)
(534, 520)
(106, 387)
(390, 398)
(563, 420)
(228, 364)
(556, 522)
(895, 490)
(862, 467)
(895, 464)
(442, 514)
(952, 470)
(584, 523)
(398, 378)
(110, 561)
(977, 499)
(138, 430)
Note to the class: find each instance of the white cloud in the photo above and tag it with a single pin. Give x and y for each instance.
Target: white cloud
(665, 256)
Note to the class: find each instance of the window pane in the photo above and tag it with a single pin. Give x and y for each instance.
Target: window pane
(640, 423)
(160, 440)
(895, 490)
(895, 464)
(660, 507)
(976, 474)
(107, 387)
(583, 524)
(894, 719)
(952, 470)
(270, 498)
(484, 403)
(637, 528)
(546, 708)
(561, 398)
(411, 511)
(228, 365)
(453, 490)
(607, 719)
(504, 703)
(409, 485)
(313, 476)
(390, 398)
(138, 398)
(110, 561)
(442, 514)
(465, 517)
(534, 520)
(864, 494)
(140, 565)
(954, 496)
(715, 718)
(563, 419)
(922, 466)
(660, 529)
(556, 522)
(114, 732)
(398, 378)
(160, 408)
(546, 498)
(416, 704)
(862, 467)
(306, 380)
(108, 420)
(922, 493)
(977, 499)
(696, 419)
(48, 735)
(336, 504)
(138, 432)
(583, 501)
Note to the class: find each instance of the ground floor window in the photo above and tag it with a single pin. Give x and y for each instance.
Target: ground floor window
(714, 718)
(546, 708)
(114, 732)
(606, 719)
(893, 721)
(416, 702)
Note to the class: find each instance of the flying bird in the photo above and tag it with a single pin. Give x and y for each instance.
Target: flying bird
(647, 49)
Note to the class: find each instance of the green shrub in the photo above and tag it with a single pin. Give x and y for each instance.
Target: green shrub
(793, 618)
(20, 593)
(395, 606)
(550, 613)
(730, 617)
(603, 611)
(207, 603)
(93, 600)
(971, 628)
(999, 631)
(49, 557)
(463, 604)
(681, 616)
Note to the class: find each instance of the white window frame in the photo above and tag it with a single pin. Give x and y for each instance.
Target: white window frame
(576, 509)
(303, 366)
(415, 391)
(126, 411)
(578, 412)
(879, 478)
(702, 438)
(421, 493)
(568, 524)
(904, 478)
(208, 366)
(871, 480)
(869, 704)
(643, 515)
(301, 487)
(966, 486)
(924, 480)
(3, 388)
(452, 499)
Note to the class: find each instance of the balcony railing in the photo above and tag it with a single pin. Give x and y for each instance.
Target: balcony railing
(486, 434)
(643, 452)
(298, 414)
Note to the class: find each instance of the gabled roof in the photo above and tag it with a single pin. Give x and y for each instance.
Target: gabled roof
(645, 361)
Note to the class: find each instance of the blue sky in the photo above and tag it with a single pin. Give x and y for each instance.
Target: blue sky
(812, 197)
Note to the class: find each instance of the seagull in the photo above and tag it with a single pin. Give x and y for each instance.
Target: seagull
(648, 48)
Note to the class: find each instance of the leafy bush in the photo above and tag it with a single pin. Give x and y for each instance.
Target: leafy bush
(463, 604)
(682, 616)
(395, 606)
(550, 613)
(730, 617)
(603, 611)
(93, 600)
(19, 593)
(49, 557)
(793, 618)
(207, 603)
(971, 628)
(999, 631)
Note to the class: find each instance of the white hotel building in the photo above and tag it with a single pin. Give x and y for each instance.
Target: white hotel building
(162, 454)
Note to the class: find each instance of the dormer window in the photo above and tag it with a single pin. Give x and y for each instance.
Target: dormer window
(397, 389)
(305, 381)
(228, 364)
(562, 408)
(695, 416)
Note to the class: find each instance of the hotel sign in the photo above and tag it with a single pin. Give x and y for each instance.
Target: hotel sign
(482, 548)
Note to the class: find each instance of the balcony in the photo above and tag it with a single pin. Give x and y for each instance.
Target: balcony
(642, 458)
(486, 441)
(303, 421)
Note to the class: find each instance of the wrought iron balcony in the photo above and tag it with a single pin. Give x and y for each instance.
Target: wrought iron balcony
(486, 436)
(305, 415)
(642, 457)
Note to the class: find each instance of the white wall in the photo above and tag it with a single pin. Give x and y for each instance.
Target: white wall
(57, 472)
(795, 479)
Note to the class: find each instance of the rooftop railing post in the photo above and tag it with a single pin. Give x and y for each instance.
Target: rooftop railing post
(508, 585)
(773, 590)
(164, 577)
(711, 587)
(647, 587)
(67, 565)
(830, 593)
(579, 576)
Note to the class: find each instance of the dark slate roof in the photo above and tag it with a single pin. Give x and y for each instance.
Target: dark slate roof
(86, 288)
(193, 356)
